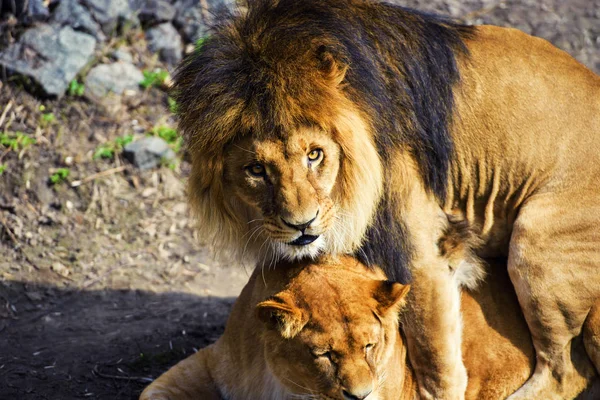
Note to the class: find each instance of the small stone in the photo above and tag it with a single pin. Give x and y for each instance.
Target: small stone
(73, 14)
(122, 55)
(148, 152)
(37, 10)
(165, 40)
(149, 192)
(60, 269)
(51, 55)
(34, 296)
(191, 19)
(69, 205)
(156, 11)
(110, 13)
(112, 78)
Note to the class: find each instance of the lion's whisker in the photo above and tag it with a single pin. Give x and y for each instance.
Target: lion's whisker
(246, 150)
(259, 230)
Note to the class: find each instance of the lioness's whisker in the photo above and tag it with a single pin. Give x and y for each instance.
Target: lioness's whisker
(300, 386)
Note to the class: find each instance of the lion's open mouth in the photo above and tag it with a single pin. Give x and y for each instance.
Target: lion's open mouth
(304, 240)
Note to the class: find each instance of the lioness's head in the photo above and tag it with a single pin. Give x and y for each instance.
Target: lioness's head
(332, 331)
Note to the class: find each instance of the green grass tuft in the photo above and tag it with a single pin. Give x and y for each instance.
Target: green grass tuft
(109, 149)
(59, 176)
(154, 78)
(76, 89)
(16, 141)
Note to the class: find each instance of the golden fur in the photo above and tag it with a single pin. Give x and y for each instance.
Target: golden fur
(300, 329)
(421, 121)
(276, 351)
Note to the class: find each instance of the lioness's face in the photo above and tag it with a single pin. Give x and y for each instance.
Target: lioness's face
(333, 359)
(332, 332)
(288, 184)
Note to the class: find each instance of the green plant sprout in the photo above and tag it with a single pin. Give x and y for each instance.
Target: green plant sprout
(170, 136)
(172, 105)
(109, 149)
(76, 89)
(2, 168)
(16, 141)
(154, 78)
(199, 43)
(59, 176)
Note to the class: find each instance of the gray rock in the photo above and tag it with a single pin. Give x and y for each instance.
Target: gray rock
(51, 55)
(148, 152)
(156, 11)
(165, 40)
(122, 55)
(110, 13)
(27, 11)
(112, 78)
(193, 19)
(72, 13)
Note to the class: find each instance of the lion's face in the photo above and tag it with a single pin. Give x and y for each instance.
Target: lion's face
(289, 186)
(332, 343)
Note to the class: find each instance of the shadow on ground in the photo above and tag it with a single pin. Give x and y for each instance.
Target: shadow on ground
(104, 344)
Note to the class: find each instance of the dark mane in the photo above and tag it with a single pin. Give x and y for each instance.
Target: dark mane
(401, 70)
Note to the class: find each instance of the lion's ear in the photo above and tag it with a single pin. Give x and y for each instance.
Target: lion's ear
(390, 296)
(279, 313)
(332, 68)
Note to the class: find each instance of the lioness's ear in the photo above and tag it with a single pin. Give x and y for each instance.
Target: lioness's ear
(332, 68)
(390, 295)
(281, 314)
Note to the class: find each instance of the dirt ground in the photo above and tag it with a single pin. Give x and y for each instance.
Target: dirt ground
(103, 286)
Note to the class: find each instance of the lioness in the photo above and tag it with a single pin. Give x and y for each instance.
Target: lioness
(330, 331)
(358, 127)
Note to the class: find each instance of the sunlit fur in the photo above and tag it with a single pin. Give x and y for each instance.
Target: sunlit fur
(283, 323)
(286, 315)
(239, 225)
(432, 119)
(280, 67)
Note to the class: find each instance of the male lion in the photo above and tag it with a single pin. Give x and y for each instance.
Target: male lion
(357, 127)
(330, 331)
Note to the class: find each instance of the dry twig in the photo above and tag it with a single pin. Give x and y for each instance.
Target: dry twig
(6, 110)
(98, 175)
(127, 378)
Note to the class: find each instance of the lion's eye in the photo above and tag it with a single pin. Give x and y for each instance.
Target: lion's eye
(315, 155)
(256, 170)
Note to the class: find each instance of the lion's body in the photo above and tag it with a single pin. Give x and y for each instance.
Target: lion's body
(409, 120)
(498, 351)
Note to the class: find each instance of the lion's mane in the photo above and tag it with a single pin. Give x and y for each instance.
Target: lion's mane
(387, 71)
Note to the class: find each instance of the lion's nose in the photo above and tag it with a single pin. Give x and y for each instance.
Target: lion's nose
(302, 226)
(357, 394)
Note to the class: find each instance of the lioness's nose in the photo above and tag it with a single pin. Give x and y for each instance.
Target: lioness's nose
(357, 394)
(302, 226)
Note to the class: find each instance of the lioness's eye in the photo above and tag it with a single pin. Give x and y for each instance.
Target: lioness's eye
(256, 170)
(315, 155)
(369, 346)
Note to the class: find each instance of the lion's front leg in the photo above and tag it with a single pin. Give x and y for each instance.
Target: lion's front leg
(433, 327)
